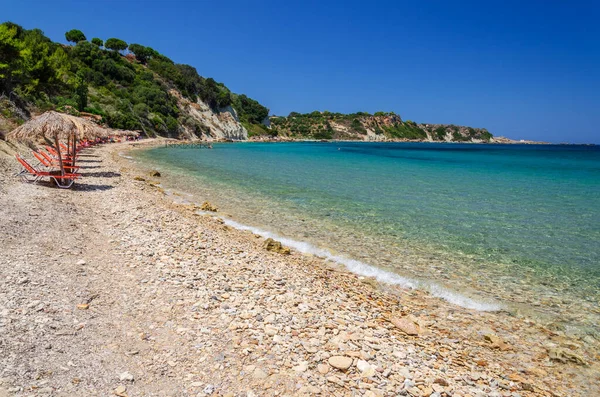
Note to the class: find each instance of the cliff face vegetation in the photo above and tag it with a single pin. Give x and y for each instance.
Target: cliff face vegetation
(127, 86)
(370, 127)
(134, 87)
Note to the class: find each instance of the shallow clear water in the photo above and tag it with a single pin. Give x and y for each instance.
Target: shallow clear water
(515, 224)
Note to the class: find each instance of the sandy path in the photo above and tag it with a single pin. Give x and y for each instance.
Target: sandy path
(189, 307)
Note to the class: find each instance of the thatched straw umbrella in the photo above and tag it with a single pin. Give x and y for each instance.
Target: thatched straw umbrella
(55, 126)
(122, 133)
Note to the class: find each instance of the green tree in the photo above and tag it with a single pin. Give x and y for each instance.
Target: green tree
(9, 55)
(81, 92)
(115, 44)
(250, 110)
(86, 52)
(75, 36)
(38, 73)
(141, 52)
(97, 41)
(61, 64)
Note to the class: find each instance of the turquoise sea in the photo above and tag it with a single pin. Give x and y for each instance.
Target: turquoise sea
(513, 227)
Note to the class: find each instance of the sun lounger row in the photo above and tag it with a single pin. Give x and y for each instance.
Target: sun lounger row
(49, 165)
(31, 174)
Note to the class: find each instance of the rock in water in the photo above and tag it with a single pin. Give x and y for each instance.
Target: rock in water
(206, 206)
(564, 356)
(275, 246)
(340, 362)
(155, 173)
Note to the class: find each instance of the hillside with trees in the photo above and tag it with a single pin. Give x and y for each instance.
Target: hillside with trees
(370, 127)
(130, 86)
(134, 87)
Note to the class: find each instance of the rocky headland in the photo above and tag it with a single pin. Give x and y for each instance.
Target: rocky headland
(361, 126)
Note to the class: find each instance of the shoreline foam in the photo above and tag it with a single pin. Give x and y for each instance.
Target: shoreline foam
(364, 269)
(354, 266)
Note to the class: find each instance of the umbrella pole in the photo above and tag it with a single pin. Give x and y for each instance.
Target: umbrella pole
(60, 161)
(68, 149)
(74, 149)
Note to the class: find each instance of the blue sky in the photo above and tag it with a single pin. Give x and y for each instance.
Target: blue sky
(523, 69)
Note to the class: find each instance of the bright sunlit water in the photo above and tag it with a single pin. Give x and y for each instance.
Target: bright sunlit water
(517, 225)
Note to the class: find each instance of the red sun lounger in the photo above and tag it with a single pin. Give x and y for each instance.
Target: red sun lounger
(53, 152)
(53, 164)
(62, 181)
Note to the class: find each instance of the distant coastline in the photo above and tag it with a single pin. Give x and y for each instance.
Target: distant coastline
(495, 140)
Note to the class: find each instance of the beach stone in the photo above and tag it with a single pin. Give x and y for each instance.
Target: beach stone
(259, 374)
(309, 389)
(406, 324)
(275, 246)
(120, 390)
(335, 379)
(309, 348)
(496, 342)
(565, 356)
(270, 318)
(366, 369)
(340, 362)
(437, 387)
(81, 262)
(209, 389)
(441, 381)
(323, 368)
(527, 386)
(270, 330)
(155, 173)
(405, 373)
(126, 377)
(206, 206)
(301, 367)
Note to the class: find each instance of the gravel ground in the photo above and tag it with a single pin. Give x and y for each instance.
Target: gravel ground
(113, 289)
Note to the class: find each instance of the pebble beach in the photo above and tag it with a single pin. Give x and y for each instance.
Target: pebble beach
(115, 288)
